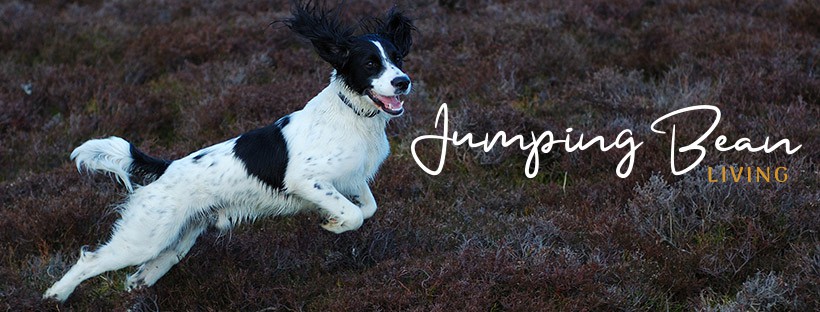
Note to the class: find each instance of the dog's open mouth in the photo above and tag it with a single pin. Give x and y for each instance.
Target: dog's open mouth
(389, 104)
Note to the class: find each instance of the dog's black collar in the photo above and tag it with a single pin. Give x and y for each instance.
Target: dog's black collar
(358, 111)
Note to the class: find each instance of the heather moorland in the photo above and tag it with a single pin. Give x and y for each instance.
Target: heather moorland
(175, 76)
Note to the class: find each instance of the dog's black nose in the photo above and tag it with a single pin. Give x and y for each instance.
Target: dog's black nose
(401, 83)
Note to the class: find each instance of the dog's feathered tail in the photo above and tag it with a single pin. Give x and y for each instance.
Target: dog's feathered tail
(118, 157)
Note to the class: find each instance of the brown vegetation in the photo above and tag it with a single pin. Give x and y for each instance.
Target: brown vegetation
(175, 76)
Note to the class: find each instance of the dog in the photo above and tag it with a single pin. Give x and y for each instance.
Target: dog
(320, 158)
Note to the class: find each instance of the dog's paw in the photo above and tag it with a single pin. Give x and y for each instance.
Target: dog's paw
(55, 295)
(134, 282)
(340, 225)
(368, 211)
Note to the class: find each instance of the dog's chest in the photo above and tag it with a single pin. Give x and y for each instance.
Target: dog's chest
(337, 151)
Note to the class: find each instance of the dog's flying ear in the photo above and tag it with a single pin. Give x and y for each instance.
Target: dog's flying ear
(331, 39)
(398, 28)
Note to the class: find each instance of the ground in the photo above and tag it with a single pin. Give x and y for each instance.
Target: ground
(175, 76)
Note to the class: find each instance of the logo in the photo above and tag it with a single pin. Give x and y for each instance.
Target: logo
(624, 142)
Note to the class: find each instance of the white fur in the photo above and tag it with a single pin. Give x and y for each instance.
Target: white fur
(105, 155)
(333, 154)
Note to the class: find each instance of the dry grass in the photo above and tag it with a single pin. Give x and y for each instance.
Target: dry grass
(176, 76)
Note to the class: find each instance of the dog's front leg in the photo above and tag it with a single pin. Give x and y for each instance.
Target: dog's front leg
(343, 215)
(365, 200)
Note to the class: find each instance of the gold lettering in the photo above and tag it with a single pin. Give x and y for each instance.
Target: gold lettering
(777, 174)
(766, 175)
(737, 176)
(723, 173)
(709, 173)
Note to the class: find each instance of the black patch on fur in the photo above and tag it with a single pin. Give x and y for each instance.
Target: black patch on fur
(396, 28)
(324, 30)
(317, 186)
(146, 167)
(265, 153)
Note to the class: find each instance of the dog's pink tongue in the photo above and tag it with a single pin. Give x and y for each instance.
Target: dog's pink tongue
(392, 103)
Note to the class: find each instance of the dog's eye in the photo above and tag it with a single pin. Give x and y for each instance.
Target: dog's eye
(370, 64)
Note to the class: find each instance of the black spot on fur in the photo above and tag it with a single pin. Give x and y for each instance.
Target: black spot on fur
(264, 153)
(146, 167)
(317, 186)
(198, 157)
(329, 193)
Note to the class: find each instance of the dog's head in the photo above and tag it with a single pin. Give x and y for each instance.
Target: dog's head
(370, 64)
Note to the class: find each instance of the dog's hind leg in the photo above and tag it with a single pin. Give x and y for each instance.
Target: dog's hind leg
(115, 255)
(151, 271)
(142, 233)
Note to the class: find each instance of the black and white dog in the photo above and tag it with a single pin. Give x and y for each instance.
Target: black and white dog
(319, 158)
